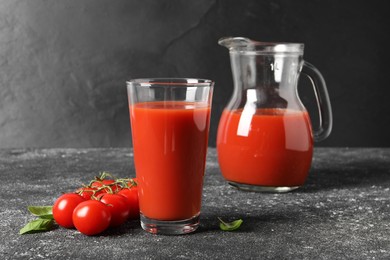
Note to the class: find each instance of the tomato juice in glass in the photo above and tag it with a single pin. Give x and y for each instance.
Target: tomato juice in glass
(170, 145)
(170, 125)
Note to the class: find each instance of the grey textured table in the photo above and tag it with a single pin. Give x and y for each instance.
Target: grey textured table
(342, 212)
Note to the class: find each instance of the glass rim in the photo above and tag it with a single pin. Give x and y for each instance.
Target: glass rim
(166, 82)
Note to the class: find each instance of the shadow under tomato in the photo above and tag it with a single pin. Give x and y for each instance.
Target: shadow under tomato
(131, 226)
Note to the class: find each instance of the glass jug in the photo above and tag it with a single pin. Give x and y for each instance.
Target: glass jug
(265, 138)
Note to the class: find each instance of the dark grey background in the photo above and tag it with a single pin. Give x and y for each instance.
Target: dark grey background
(63, 64)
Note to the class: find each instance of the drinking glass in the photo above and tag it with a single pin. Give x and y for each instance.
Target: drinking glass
(170, 127)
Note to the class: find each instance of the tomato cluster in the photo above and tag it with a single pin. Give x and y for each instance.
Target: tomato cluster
(101, 204)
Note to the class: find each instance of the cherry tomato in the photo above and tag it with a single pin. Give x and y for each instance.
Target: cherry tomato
(63, 209)
(118, 207)
(131, 195)
(113, 188)
(91, 217)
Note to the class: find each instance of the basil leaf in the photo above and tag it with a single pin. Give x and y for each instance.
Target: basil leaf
(37, 225)
(44, 212)
(230, 226)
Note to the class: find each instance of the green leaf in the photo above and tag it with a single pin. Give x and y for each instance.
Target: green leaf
(37, 225)
(230, 226)
(44, 212)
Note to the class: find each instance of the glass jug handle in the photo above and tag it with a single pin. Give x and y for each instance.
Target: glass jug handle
(323, 102)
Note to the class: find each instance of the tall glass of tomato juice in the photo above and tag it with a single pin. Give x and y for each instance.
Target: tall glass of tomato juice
(170, 121)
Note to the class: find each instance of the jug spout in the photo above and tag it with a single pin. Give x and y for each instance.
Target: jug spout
(234, 42)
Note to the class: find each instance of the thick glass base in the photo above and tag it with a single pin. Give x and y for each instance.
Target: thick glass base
(162, 227)
(246, 187)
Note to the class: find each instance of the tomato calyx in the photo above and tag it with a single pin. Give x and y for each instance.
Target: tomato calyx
(105, 183)
(128, 182)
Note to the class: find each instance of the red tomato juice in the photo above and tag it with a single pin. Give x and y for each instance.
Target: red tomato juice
(170, 145)
(269, 147)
